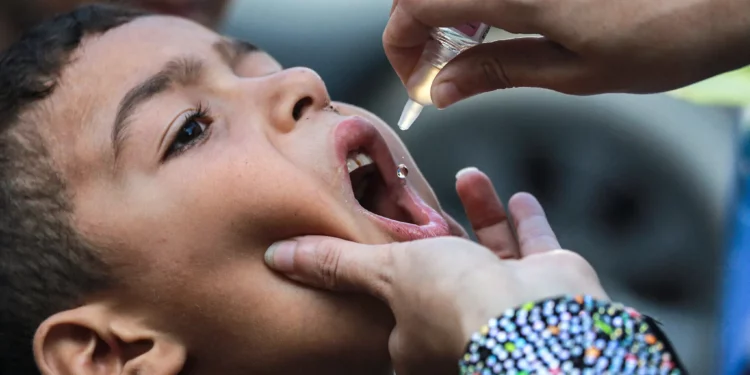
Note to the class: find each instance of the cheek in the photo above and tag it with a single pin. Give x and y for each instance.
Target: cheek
(232, 199)
(271, 198)
(203, 236)
(243, 311)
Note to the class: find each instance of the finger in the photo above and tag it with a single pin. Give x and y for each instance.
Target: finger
(534, 232)
(486, 213)
(523, 62)
(404, 40)
(521, 17)
(407, 31)
(333, 264)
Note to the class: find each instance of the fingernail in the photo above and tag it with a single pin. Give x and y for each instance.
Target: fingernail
(445, 94)
(465, 171)
(280, 256)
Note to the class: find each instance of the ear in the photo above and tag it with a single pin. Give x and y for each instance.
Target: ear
(95, 340)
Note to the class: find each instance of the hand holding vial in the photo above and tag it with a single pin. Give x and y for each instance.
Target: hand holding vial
(586, 46)
(446, 44)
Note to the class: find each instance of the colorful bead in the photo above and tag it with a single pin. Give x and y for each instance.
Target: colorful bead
(569, 335)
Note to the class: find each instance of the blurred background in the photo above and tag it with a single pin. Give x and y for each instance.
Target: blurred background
(640, 185)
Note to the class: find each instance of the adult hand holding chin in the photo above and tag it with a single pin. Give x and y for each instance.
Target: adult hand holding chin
(441, 290)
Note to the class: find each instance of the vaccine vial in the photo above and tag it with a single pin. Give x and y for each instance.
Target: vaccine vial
(446, 44)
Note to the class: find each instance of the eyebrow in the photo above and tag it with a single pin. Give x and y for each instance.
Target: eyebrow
(183, 71)
(233, 50)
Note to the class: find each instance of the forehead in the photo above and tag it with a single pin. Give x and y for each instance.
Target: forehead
(145, 39)
(82, 109)
(107, 65)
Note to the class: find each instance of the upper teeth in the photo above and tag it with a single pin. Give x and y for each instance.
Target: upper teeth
(357, 160)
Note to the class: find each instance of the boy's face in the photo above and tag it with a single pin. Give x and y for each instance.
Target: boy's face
(188, 156)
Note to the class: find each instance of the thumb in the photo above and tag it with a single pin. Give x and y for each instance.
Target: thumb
(333, 264)
(524, 62)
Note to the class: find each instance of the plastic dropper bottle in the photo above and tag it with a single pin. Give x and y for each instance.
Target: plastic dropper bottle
(446, 43)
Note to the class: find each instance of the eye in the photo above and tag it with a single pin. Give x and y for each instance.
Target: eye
(194, 129)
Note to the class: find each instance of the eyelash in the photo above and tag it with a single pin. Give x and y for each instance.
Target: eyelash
(201, 116)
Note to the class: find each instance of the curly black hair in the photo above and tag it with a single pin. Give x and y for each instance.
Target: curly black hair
(46, 266)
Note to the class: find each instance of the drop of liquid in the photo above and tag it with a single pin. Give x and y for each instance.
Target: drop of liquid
(402, 171)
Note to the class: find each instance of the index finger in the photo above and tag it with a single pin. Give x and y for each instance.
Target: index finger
(486, 213)
(404, 40)
(407, 31)
(334, 264)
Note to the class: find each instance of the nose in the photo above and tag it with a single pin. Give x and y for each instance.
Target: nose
(298, 91)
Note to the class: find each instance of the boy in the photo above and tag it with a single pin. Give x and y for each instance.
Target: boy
(146, 165)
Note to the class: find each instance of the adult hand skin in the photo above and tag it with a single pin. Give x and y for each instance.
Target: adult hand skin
(587, 46)
(441, 290)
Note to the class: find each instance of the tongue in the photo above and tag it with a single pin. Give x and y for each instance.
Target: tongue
(385, 202)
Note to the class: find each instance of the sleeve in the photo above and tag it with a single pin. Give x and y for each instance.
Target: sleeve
(570, 335)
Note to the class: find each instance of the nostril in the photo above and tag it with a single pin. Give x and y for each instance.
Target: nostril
(300, 107)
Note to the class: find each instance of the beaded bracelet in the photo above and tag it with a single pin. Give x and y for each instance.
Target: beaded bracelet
(570, 335)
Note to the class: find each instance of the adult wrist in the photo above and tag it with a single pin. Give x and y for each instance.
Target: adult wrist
(567, 333)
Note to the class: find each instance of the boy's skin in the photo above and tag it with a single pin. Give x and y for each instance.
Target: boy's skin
(186, 231)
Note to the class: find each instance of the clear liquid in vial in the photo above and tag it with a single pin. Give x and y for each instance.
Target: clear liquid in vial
(447, 43)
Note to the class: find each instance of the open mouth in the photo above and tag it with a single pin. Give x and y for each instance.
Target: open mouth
(371, 190)
(386, 199)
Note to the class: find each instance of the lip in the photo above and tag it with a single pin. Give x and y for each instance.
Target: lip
(356, 133)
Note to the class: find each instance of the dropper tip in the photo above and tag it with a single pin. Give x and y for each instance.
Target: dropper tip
(410, 114)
